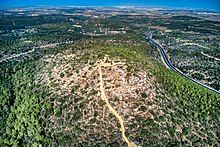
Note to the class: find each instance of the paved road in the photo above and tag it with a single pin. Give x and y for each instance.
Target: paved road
(16, 55)
(38, 47)
(169, 65)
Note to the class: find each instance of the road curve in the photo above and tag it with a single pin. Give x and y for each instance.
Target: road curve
(169, 65)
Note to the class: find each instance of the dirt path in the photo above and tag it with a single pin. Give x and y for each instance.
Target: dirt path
(210, 56)
(103, 96)
(189, 43)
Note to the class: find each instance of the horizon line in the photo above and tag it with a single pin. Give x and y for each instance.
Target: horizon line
(116, 6)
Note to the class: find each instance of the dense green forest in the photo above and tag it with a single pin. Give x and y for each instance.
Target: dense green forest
(23, 105)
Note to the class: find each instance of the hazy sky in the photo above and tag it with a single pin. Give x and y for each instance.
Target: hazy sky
(199, 4)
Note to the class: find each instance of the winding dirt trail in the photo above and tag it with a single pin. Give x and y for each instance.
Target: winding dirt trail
(103, 96)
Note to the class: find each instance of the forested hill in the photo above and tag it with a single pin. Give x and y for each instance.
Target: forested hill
(35, 112)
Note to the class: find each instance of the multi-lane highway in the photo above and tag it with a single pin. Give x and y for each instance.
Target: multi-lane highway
(169, 65)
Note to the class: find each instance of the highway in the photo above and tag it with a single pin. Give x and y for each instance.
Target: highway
(169, 65)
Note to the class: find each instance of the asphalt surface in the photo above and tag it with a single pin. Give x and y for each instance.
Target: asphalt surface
(16, 55)
(169, 65)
